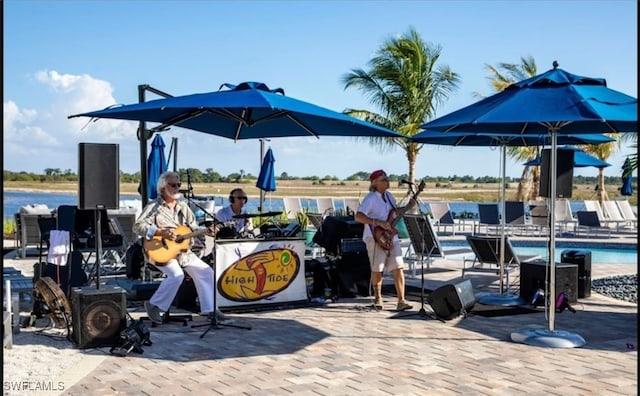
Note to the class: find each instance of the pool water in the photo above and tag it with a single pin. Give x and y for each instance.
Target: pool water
(608, 256)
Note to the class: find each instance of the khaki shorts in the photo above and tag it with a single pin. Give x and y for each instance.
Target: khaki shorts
(381, 259)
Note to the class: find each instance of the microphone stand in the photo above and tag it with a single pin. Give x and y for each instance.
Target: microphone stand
(213, 324)
(422, 312)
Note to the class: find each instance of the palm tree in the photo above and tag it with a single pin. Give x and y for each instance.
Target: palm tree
(501, 76)
(406, 84)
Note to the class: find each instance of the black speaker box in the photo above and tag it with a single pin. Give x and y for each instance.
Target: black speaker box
(353, 268)
(98, 175)
(98, 316)
(583, 259)
(532, 278)
(450, 301)
(336, 228)
(564, 173)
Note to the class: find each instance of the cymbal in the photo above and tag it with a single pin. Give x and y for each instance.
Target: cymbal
(250, 215)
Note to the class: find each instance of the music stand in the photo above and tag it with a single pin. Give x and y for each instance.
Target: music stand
(425, 243)
(213, 324)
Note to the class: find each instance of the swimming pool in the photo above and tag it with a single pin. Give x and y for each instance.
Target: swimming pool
(624, 254)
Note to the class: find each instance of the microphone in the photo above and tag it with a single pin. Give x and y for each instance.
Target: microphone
(405, 181)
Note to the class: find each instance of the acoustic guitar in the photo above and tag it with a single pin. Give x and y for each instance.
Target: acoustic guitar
(161, 250)
(384, 238)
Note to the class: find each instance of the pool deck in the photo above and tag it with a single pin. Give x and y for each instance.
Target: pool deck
(345, 348)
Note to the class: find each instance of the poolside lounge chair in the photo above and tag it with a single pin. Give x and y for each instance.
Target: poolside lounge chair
(291, 207)
(489, 216)
(351, 205)
(487, 256)
(612, 213)
(425, 245)
(589, 222)
(514, 216)
(442, 216)
(594, 206)
(538, 217)
(28, 229)
(627, 212)
(564, 215)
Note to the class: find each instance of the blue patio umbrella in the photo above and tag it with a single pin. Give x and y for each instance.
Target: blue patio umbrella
(156, 165)
(267, 178)
(580, 159)
(502, 141)
(555, 102)
(627, 188)
(249, 110)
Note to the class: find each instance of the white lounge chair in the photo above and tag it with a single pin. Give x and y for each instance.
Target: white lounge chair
(291, 207)
(326, 206)
(594, 206)
(564, 215)
(612, 213)
(627, 212)
(442, 216)
(351, 205)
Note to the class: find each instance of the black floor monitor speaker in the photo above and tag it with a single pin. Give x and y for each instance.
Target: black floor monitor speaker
(532, 278)
(98, 316)
(450, 301)
(583, 259)
(353, 268)
(98, 175)
(564, 173)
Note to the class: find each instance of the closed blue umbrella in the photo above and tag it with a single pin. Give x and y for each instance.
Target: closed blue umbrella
(554, 103)
(156, 165)
(266, 178)
(580, 159)
(627, 188)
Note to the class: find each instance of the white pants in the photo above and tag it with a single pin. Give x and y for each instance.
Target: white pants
(198, 270)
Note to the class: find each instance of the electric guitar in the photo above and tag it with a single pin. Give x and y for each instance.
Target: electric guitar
(384, 238)
(161, 250)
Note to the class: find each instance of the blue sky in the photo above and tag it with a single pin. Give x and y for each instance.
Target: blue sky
(68, 57)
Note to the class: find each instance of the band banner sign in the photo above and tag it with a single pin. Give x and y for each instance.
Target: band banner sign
(252, 272)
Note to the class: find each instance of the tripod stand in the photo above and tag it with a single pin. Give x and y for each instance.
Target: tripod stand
(213, 324)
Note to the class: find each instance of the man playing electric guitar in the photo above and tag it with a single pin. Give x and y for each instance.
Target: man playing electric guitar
(163, 225)
(377, 212)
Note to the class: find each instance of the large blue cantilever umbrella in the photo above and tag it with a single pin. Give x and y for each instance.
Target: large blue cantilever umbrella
(555, 103)
(502, 141)
(580, 159)
(267, 179)
(249, 110)
(156, 164)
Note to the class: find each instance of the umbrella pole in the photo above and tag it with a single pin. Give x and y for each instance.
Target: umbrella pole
(550, 337)
(503, 298)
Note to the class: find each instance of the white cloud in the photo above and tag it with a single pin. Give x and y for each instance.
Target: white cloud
(48, 135)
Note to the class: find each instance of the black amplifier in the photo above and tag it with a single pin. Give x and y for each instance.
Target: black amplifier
(352, 245)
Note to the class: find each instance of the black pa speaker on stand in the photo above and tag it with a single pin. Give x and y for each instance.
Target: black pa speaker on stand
(450, 301)
(98, 316)
(564, 173)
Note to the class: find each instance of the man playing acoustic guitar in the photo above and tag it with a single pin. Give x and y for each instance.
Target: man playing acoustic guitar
(378, 213)
(166, 226)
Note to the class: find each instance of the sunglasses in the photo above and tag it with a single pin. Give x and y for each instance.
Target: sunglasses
(174, 185)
